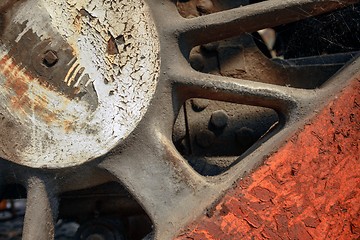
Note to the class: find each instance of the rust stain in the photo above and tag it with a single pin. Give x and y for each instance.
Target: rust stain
(68, 126)
(18, 83)
(309, 189)
(41, 109)
(15, 82)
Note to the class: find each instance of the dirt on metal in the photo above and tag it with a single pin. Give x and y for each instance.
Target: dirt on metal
(309, 189)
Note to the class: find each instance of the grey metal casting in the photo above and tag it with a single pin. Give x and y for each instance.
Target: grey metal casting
(145, 159)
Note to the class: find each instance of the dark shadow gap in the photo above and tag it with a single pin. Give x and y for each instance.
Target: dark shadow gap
(211, 135)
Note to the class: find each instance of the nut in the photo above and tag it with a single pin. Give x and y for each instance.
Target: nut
(245, 136)
(219, 119)
(50, 58)
(197, 61)
(205, 138)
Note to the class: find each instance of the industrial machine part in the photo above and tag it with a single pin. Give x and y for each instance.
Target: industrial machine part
(175, 101)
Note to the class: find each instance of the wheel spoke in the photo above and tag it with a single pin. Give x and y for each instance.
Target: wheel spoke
(41, 210)
(247, 19)
(199, 85)
(189, 83)
(160, 179)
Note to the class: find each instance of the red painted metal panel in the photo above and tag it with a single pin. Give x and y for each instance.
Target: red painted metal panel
(308, 189)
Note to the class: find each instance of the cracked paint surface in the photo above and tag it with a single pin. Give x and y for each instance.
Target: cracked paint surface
(111, 76)
(308, 189)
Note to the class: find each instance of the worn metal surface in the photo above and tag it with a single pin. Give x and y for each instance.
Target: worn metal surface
(134, 142)
(308, 189)
(83, 83)
(253, 17)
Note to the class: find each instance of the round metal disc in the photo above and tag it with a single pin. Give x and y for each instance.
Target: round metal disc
(76, 77)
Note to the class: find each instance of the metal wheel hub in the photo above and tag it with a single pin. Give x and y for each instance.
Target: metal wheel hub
(64, 102)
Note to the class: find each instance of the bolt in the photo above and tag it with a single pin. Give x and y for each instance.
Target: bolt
(205, 138)
(199, 104)
(197, 61)
(50, 58)
(219, 119)
(245, 136)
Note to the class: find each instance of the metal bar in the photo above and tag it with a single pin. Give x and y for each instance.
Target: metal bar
(250, 18)
(161, 180)
(200, 85)
(41, 210)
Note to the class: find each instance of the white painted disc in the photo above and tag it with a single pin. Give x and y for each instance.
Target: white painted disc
(113, 74)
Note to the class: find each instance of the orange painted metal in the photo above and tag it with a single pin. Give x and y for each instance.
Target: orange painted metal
(308, 189)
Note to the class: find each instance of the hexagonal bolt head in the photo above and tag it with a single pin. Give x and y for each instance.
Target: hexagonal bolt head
(197, 61)
(205, 138)
(245, 136)
(50, 58)
(219, 119)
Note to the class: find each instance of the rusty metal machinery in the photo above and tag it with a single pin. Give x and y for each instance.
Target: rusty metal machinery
(133, 117)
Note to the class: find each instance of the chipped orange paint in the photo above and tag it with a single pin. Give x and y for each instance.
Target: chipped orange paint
(309, 189)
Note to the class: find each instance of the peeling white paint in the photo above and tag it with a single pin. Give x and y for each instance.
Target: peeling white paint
(124, 83)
